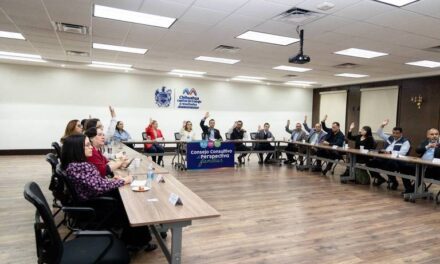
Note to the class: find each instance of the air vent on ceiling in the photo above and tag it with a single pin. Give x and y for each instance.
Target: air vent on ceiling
(226, 49)
(290, 76)
(297, 16)
(347, 65)
(71, 28)
(434, 49)
(77, 53)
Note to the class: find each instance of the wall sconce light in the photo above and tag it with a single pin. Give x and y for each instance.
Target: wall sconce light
(418, 100)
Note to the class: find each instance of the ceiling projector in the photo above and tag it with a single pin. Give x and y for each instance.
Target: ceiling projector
(300, 58)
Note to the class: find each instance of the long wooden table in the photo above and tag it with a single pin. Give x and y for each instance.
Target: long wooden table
(152, 208)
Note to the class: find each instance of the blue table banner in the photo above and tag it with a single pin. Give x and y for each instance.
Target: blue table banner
(209, 154)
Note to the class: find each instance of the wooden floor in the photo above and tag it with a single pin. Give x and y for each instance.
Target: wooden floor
(269, 214)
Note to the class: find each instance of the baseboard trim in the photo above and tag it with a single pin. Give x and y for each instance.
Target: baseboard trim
(8, 152)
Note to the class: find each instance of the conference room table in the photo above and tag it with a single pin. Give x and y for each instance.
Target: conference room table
(154, 209)
(351, 153)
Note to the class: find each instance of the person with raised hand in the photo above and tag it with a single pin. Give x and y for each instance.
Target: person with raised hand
(210, 132)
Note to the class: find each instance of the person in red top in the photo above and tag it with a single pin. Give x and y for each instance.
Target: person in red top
(153, 133)
(104, 166)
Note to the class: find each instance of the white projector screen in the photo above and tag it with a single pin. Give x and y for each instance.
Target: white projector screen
(378, 104)
(333, 104)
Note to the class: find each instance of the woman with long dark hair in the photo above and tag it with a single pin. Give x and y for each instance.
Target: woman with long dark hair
(88, 184)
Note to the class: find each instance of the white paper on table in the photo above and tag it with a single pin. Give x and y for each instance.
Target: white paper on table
(138, 183)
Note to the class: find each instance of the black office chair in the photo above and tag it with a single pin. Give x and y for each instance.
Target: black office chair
(253, 136)
(87, 247)
(228, 136)
(79, 214)
(144, 137)
(57, 149)
(55, 186)
(203, 136)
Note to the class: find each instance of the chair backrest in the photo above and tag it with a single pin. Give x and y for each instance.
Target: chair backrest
(48, 240)
(253, 135)
(203, 136)
(57, 149)
(228, 135)
(67, 194)
(177, 136)
(53, 161)
(144, 135)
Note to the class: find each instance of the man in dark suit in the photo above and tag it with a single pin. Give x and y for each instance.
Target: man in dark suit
(238, 133)
(334, 137)
(428, 150)
(297, 134)
(209, 132)
(264, 134)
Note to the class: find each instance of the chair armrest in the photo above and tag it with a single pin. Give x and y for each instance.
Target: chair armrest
(93, 233)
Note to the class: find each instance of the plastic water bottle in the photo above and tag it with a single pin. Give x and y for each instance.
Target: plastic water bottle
(150, 176)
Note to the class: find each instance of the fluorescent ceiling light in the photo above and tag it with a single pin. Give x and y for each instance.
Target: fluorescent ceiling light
(216, 59)
(267, 38)
(250, 77)
(245, 80)
(187, 72)
(290, 68)
(119, 48)
(11, 35)
(300, 83)
(361, 53)
(131, 16)
(20, 56)
(398, 3)
(425, 63)
(108, 65)
(351, 75)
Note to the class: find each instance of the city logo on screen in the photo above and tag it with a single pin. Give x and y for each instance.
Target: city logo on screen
(189, 99)
(163, 97)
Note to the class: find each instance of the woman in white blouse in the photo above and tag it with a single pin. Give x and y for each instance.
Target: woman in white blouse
(187, 133)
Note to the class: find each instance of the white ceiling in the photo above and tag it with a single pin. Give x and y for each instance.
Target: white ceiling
(202, 25)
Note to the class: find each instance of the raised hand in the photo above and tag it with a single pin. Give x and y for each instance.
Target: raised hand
(305, 119)
(150, 120)
(385, 122)
(206, 114)
(259, 127)
(325, 118)
(352, 126)
(112, 111)
(288, 122)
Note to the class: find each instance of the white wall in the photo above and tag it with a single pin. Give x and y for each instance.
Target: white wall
(37, 102)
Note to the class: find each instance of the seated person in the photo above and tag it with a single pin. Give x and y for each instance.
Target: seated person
(296, 135)
(365, 139)
(187, 133)
(334, 137)
(88, 183)
(210, 132)
(264, 134)
(154, 133)
(395, 142)
(74, 127)
(102, 164)
(316, 134)
(121, 134)
(95, 122)
(238, 133)
(428, 149)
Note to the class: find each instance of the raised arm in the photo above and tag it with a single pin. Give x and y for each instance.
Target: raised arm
(380, 132)
(306, 127)
(112, 126)
(324, 127)
(287, 127)
(349, 134)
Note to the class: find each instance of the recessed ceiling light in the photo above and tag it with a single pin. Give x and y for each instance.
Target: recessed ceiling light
(290, 68)
(361, 53)
(267, 38)
(398, 3)
(216, 59)
(250, 77)
(425, 63)
(119, 48)
(351, 75)
(133, 17)
(20, 56)
(300, 83)
(11, 35)
(245, 80)
(108, 65)
(63, 65)
(187, 72)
